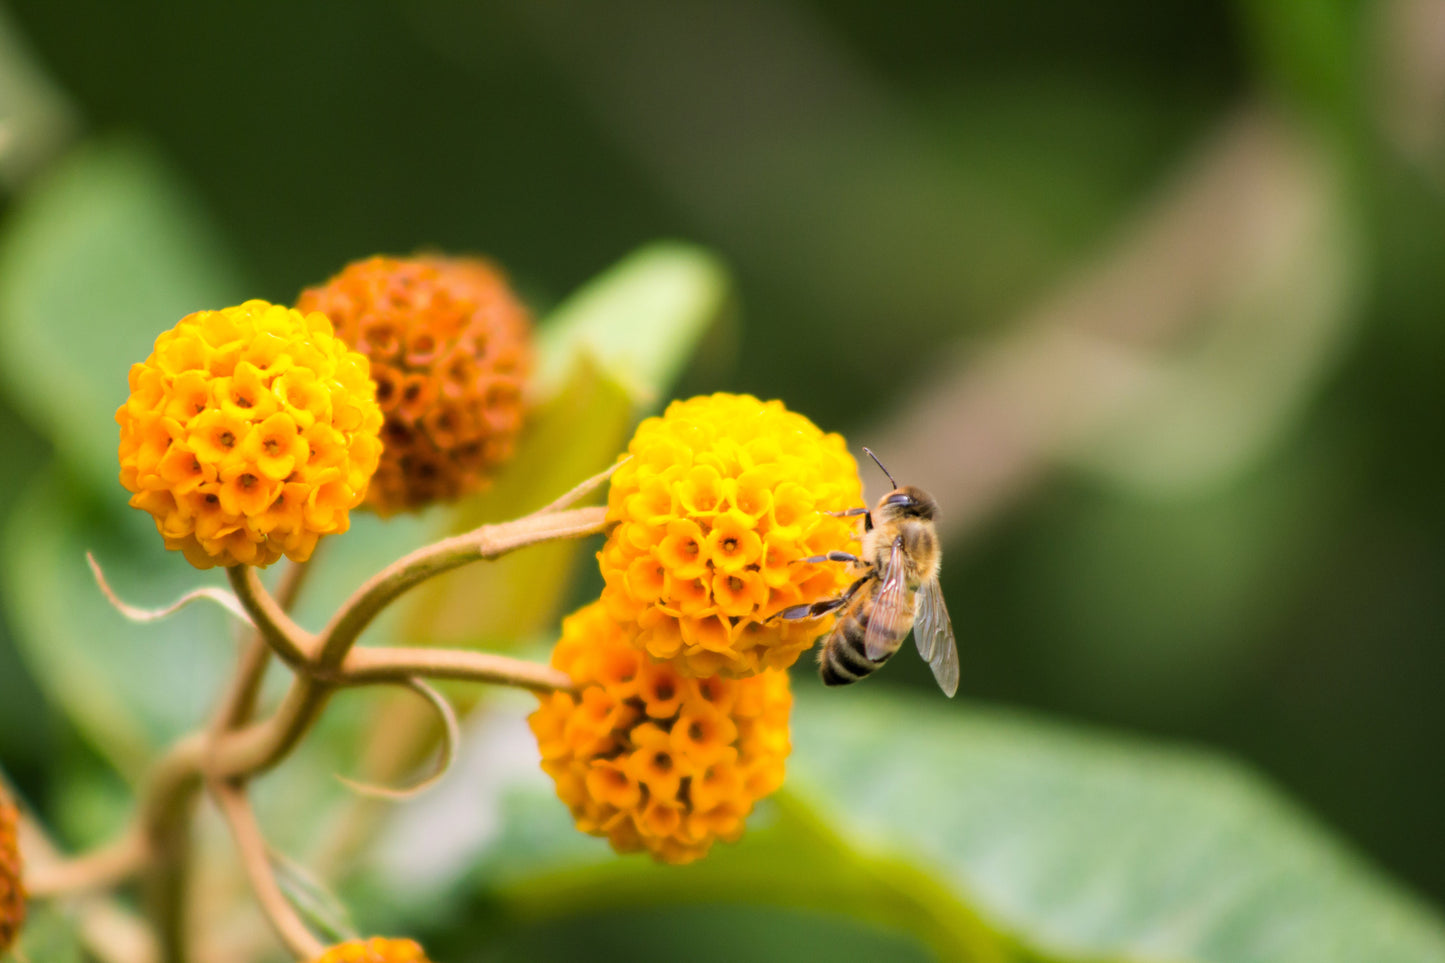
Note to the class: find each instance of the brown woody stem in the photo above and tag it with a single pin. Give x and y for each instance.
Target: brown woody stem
(287, 639)
(251, 844)
(239, 701)
(100, 868)
(367, 665)
(488, 541)
(262, 746)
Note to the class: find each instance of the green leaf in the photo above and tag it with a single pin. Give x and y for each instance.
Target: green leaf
(106, 252)
(988, 834)
(129, 688)
(571, 437)
(1312, 54)
(39, 119)
(640, 321)
(1089, 845)
(49, 936)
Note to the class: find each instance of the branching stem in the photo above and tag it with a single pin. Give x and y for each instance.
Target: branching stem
(228, 752)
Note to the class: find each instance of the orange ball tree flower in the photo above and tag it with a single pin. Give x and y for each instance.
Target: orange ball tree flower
(649, 757)
(722, 499)
(375, 950)
(450, 349)
(12, 892)
(249, 433)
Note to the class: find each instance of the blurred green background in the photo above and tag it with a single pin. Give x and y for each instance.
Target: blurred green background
(1149, 296)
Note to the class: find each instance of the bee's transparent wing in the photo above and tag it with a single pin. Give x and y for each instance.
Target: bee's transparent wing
(889, 620)
(933, 632)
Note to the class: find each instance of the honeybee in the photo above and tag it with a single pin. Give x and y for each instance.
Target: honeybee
(897, 591)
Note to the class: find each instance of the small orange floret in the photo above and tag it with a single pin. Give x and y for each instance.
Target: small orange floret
(12, 892)
(723, 497)
(249, 433)
(375, 950)
(649, 757)
(450, 348)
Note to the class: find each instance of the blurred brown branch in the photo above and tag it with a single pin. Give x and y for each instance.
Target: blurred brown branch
(111, 933)
(988, 427)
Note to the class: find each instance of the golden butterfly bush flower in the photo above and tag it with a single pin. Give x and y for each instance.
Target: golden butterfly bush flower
(249, 433)
(375, 950)
(649, 757)
(12, 893)
(450, 349)
(723, 497)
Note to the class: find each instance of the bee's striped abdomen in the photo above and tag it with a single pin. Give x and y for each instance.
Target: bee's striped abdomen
(842, 660)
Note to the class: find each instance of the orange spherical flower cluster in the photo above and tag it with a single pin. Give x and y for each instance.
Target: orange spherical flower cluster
(649, 757)
(249, 432)
(450, 350)
(375, 950)
(723, 497)
(12, 893)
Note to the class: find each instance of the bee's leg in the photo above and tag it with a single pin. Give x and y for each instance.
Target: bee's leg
(867, 516)
(816, 609)
(834, 557)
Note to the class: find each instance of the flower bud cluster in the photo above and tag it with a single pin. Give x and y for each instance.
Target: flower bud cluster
(653, 759)
(12, 891)
(450, 349)
(375, 950)
(679, 721)
(249, 433)
(722, 499)
(252, 431)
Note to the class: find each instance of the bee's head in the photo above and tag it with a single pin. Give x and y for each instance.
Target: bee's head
(907, 502)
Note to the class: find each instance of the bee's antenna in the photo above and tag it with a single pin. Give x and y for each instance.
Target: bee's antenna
(880, 465)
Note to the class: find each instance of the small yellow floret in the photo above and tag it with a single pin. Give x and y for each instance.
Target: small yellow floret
(649, 757)
(723, 496)
(249, 433)
(375, 950)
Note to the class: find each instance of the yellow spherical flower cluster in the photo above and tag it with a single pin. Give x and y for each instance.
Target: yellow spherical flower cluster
(649, 757)
(12, 893)
(375, 950)
(723, 497)
(450, 349)
(249, 432)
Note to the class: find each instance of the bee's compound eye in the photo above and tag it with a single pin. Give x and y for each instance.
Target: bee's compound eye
(901, 499)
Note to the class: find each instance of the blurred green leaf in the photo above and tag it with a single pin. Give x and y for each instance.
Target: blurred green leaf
(640, 321)
(132, 688)
(102, 255)
(571, 437)
(25, 736)
(129, 688)
(1088, 845)
(709, 933)
(988, 834)
(36, 118)
(49, 937)
(1313, 54)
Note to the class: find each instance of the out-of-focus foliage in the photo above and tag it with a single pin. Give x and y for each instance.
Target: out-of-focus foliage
(1244, 548)
(986, 834)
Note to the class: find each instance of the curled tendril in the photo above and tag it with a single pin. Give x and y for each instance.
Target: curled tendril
(135, 613)
(453, 735)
